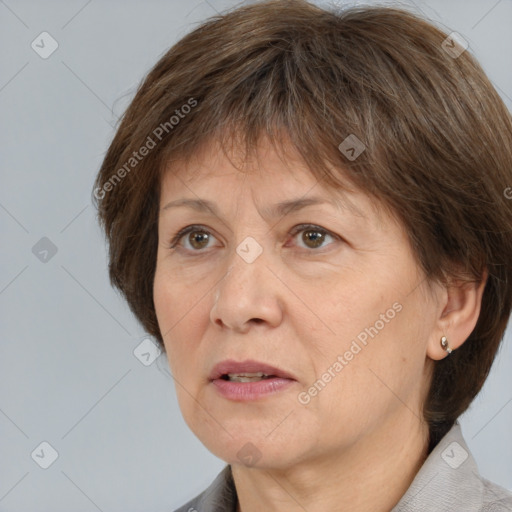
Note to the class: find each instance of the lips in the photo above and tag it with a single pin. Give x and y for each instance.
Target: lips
(230, 366)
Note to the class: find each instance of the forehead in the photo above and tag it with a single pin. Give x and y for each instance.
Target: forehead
(271, 176)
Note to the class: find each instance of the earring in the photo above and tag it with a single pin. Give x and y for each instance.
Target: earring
(444, 344)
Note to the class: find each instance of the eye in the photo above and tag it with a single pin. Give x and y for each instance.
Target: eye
(312, 236)
(198, 237)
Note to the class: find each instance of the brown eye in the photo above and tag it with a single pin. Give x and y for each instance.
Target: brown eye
(198, 239)
(313, 237)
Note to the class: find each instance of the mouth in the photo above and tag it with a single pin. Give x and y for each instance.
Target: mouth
(247, 371)
(245, 377)
(249, 380)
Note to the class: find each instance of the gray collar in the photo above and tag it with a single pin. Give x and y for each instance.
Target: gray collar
(448, 479)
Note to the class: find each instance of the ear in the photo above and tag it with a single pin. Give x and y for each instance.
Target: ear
(459, 310)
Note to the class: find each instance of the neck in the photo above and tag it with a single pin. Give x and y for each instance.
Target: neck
(373, 474)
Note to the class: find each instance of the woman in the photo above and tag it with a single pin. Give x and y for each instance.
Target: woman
(308, 211)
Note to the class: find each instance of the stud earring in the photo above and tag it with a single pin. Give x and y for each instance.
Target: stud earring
(444, 344)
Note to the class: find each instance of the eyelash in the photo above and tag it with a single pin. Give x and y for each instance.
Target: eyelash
(295, 231)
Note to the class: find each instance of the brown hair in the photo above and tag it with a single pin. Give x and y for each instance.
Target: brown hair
(437, 148)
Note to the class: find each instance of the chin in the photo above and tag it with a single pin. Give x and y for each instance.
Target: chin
(254, 455)
(251, 444)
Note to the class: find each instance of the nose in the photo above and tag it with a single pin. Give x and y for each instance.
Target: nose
(248, 294)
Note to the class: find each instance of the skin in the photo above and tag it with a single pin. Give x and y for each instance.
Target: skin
(360, 441)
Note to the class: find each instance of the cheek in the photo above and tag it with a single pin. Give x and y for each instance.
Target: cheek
(173, 302)
(164, 305)
(169, 310)
(379, 345)
(394, 359)
(182, 318)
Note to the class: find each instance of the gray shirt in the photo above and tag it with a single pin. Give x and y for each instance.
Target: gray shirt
(448, 481)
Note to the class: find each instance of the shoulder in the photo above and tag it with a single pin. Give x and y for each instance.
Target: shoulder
(220, 496)
(495, 497)
(449, 480)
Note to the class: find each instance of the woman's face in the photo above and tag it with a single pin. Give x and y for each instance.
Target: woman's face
(339, 306)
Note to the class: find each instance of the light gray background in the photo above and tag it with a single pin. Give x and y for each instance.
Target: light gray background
(68, 373)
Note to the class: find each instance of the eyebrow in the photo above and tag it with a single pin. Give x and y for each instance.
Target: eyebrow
(278, 210)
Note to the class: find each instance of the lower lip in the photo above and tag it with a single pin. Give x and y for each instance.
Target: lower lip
(245, 391)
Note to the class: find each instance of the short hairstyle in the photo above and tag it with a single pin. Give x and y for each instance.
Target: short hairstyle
(436, 140)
